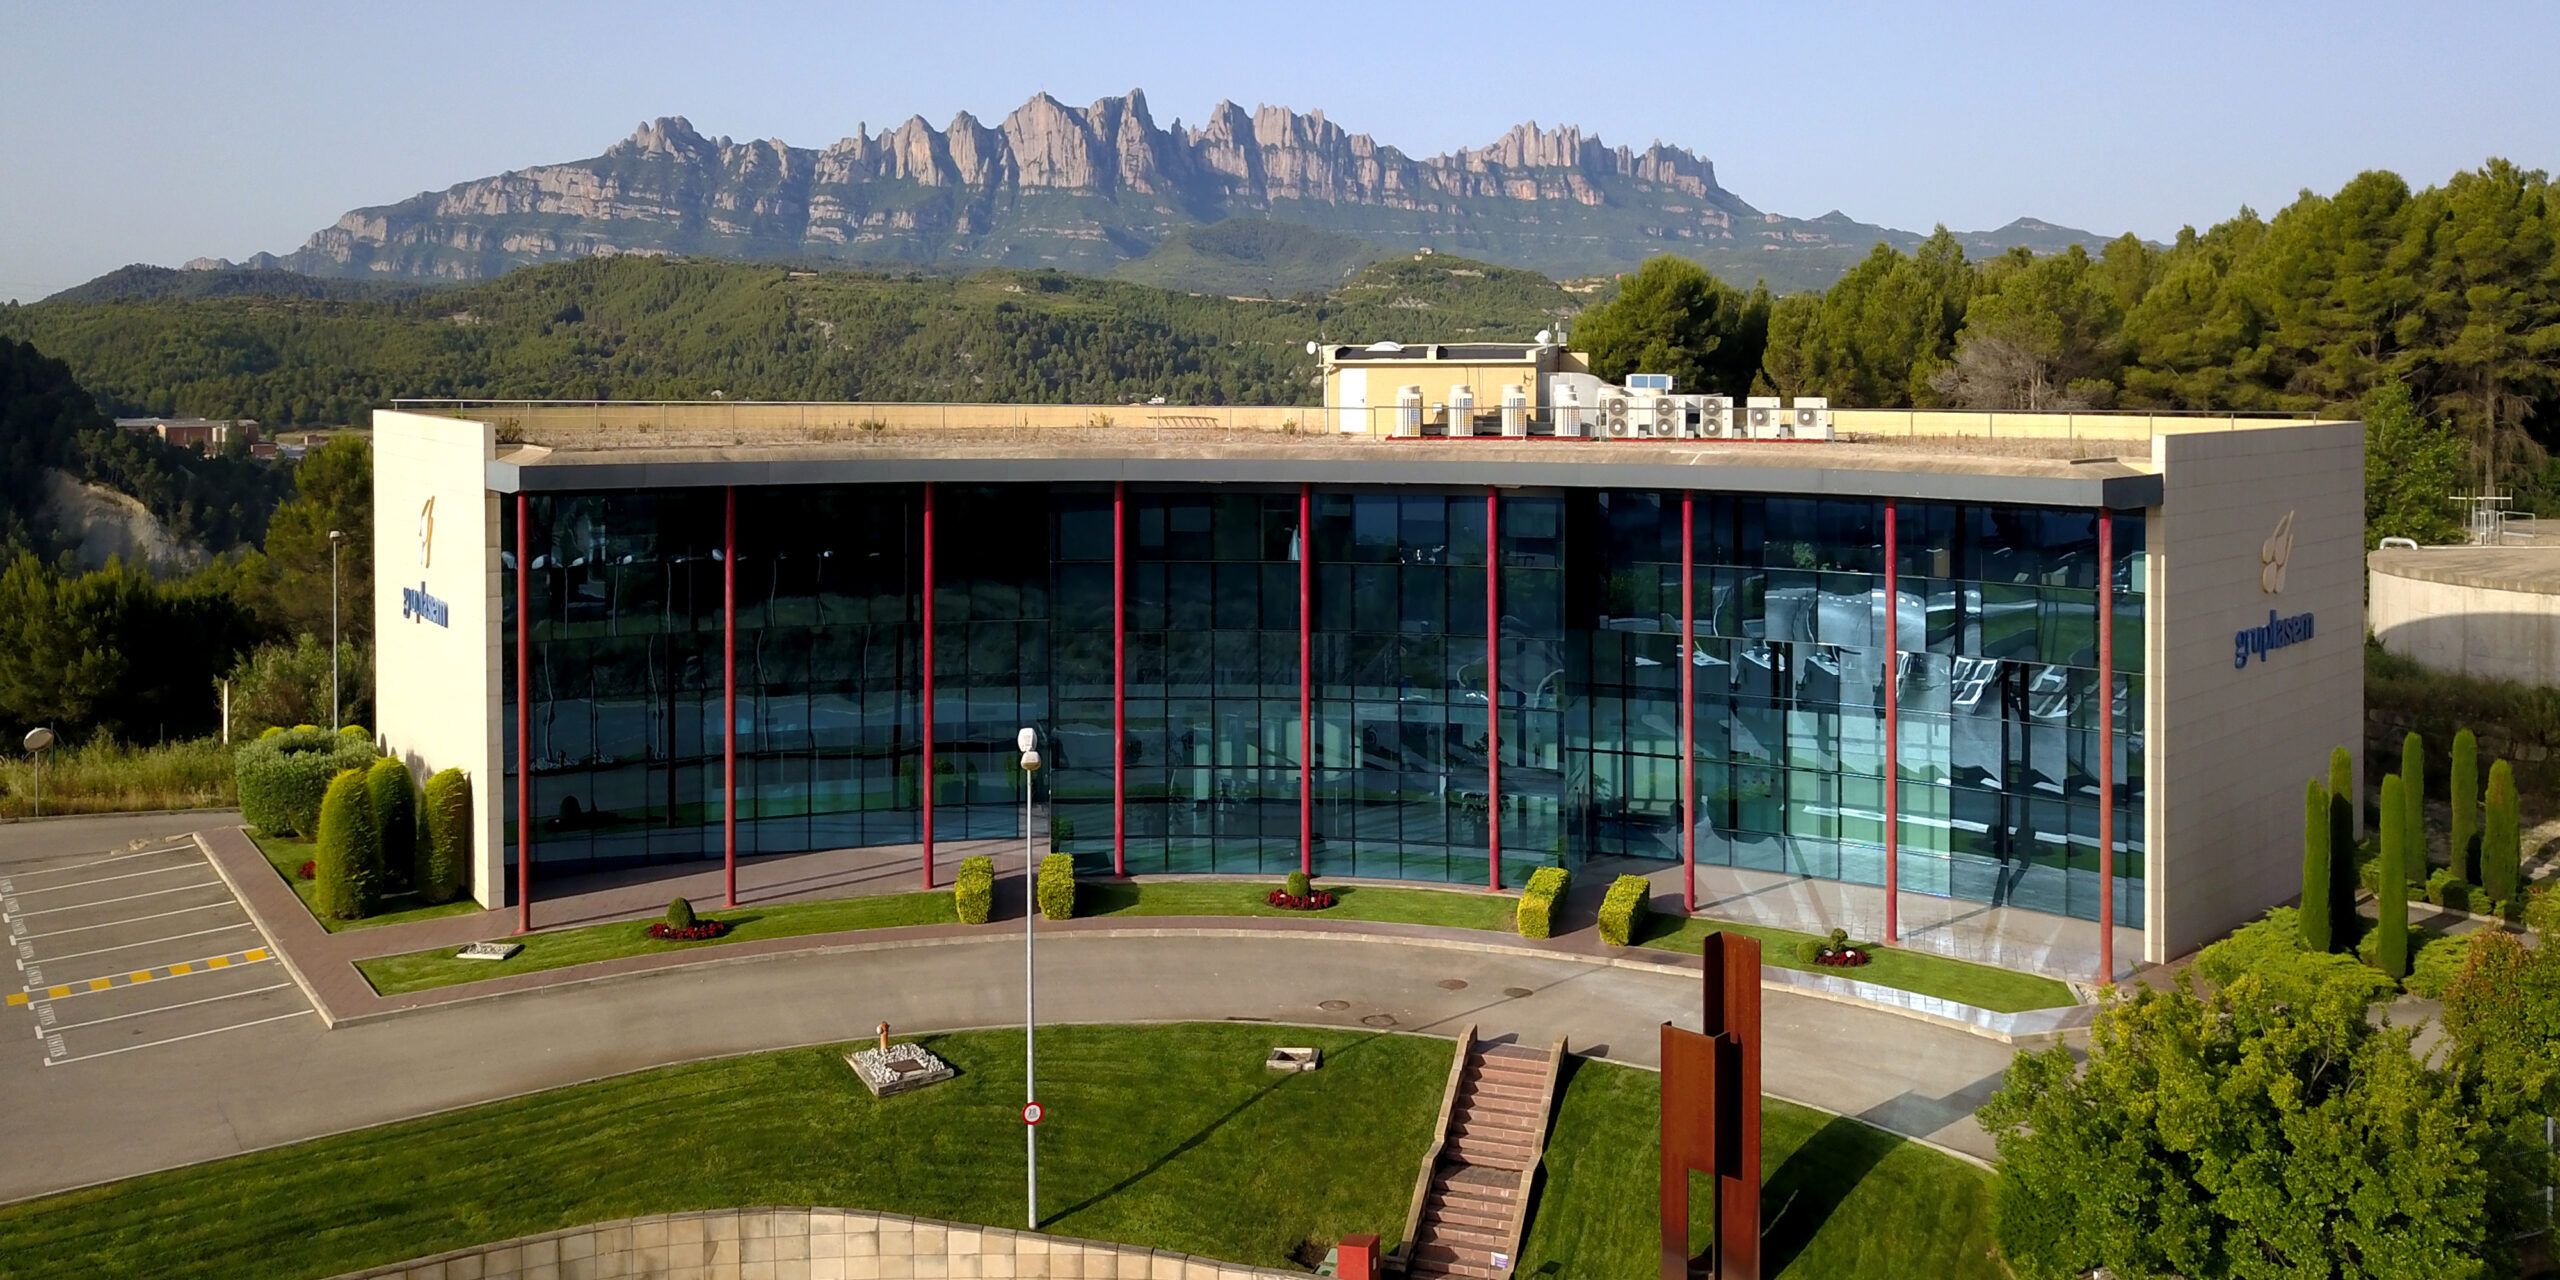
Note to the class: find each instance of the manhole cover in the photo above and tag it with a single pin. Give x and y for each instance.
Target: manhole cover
(1453, 984)
(1379, 1020)
(1518, 993)
(1333, 1006)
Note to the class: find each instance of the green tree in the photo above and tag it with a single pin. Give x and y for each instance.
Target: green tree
(2502, 1017)
(2316, 874)
(2041, 334)
(1878, 335)
(444, 837)
(344, 881)
(2462, 791)
(333, 489)
(2412, 469)
(2240, 1134)
(1672, 317)
(2501, 843)
(285, 684)
(394, 797)
(2391, 900)
(2344, 923)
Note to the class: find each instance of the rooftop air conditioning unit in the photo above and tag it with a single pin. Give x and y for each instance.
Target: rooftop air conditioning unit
(1715, 416)
(1613, 417)
(1515, 411)
(1812, 418)
(1462, 411)
(1760, 417)
(1568, 412)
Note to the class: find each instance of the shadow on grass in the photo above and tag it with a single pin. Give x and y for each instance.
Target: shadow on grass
(1810, 1187)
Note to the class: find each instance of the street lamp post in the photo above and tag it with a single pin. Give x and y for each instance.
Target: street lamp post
(1029, 742)
(36, 741)
(336, 536)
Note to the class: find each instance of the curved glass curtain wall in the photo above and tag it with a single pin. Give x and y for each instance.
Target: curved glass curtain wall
(1997, 681)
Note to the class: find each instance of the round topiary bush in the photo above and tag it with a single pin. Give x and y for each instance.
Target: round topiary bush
(680, 914)
(283, 775)
(344, 885)
(394, 796)
(444, 837)
(1298, 884)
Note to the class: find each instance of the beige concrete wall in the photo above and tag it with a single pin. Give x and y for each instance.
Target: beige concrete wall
(2230, 747)
(804, 1244)
(2469, 630)
(436, 688)
(1967, 425)
(511, 420)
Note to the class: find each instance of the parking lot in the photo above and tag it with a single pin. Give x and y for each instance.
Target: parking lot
(126, 950)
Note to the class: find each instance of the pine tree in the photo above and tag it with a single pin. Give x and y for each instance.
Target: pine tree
(2501, 848)
(2462, 790)
(2315, 867)
(2391, 949)
(2413, 800)
(2343, 921)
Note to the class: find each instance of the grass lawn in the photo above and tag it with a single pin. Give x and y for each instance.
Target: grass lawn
(1457, 909)
(1175, 1137)
(1840, 1200)
(287, 857)
(419, 970)
(1981, 985)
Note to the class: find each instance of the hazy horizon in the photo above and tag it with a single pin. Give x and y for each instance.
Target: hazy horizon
(159, 134)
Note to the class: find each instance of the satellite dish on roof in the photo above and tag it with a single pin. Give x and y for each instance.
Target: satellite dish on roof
(1311, 346)
(1544, 337)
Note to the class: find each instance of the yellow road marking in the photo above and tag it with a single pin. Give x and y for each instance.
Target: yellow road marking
(178, 969)
(139, 976)
(101, 984)
(218, 962)
(254, 955)
(17, 998)
(56, 993)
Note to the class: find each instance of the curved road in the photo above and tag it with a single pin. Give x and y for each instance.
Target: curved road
(120, 1115)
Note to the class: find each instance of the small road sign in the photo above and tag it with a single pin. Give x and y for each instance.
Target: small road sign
(1031, 1113)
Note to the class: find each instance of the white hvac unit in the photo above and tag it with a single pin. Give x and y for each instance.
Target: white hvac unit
(1811, 418)
(1613, 418)
(1462, 411)
(1715, 416)
(1568, 412)
(1762, 418)
(1409, 411)
(1515, 411)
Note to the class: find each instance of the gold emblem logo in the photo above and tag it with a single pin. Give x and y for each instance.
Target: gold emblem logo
(427, 533)
(2273, 554)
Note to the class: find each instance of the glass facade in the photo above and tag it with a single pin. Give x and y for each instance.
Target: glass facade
(1996, 679)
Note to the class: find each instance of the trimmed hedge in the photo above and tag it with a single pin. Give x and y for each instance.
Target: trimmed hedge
(284, 774)
(2344, 923)
(1298, 885)
(2315, 867)
(343, 883)
(680, 914)
(2501, 836)
(1057, 886)
(2445, 889)
(444, 837)
(2462, 791)
(1623, 911)
(1537, 913)
(973, 893)
(2391, 886)
(394, 797)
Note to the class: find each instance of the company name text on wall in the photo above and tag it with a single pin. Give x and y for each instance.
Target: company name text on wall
(2260, 641)
(416, 604)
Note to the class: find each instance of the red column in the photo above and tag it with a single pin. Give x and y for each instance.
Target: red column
(925, 653)
(2106, 748)
(1688, 702)
(1493, 685)
(524, 713)
(1120, 679)
(1306, 680)
(729, 695)
(1892, 725)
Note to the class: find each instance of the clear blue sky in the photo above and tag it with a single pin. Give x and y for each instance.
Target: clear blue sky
(134, 132)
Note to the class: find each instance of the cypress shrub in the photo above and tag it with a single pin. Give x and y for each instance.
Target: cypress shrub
(444, 837)
(2315, 868)
(1057, 888)
(2501, 844)
(1622, 912)
(2413, 805)
(343, 884)
(973, 893)
(1537, 911)
(393, 794)
(2343, 921)
(2462, 790)
(283, 774)
(2391, 947)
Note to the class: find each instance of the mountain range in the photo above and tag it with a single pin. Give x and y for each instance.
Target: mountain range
(1095, 188)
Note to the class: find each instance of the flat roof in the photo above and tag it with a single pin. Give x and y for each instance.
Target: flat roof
(2535, 570)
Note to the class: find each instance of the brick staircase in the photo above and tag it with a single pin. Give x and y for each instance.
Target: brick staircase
(1473, 1199)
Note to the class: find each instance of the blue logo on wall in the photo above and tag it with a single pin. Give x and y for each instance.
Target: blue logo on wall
(2276, 634)
(416, 604)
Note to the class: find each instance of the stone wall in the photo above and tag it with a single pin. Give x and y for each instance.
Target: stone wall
(801, 1244)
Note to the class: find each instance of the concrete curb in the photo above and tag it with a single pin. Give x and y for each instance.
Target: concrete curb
(116, 813)
(283, 956)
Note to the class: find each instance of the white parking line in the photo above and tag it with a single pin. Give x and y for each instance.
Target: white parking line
(127, 946)
(130, 875)
(100, 862)
(154, 1044)
(108, 902)
(157, 915)
(74, 1026)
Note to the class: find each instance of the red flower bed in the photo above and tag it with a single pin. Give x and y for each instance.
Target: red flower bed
(1316, 900)
(697, 932)
(309, 869)
(1842, 958)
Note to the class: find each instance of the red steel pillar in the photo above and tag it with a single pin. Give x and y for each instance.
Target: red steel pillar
(1120, 679)
(1493, 684)
(729, 695)
(1892, 724)
(2106, 748)
(925, 654)
(524, 713)
(1306, 680)
(1688, 702)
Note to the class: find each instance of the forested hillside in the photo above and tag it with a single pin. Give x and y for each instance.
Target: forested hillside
(684, 329)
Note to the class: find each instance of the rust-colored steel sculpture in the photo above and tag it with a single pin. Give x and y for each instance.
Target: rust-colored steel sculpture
(1711, 1115)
